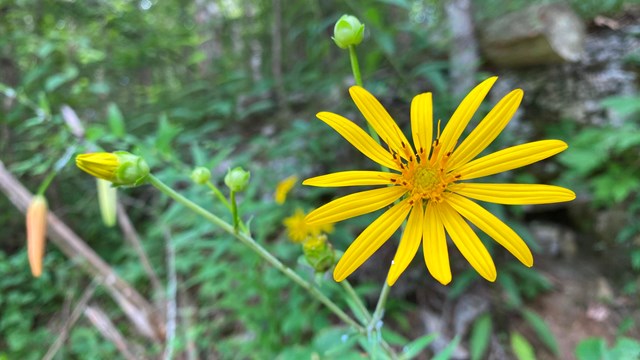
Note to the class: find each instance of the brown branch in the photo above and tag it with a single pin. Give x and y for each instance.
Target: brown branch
(101, 321)
(71, 320)
(146, 319)
(131, 235)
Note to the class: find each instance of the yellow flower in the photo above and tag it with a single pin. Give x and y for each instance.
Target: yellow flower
(119, 167)
(428, 184)
(298, 230)
(283, 188)
(36, 233)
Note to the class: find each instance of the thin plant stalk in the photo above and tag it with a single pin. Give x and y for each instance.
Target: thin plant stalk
(219, 195)
(357, 300)
(253, 245)
(355, 68)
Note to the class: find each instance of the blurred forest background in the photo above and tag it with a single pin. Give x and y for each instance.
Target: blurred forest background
(224, 83)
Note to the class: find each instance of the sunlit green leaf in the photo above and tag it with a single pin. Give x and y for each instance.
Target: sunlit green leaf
(521, 347)
(480, 336)
(542, 330)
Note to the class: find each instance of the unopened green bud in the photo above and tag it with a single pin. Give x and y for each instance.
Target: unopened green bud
(200, 175)
(319, 253)
(108, 200)
(119, 167)
(348, 31)
(237, 179)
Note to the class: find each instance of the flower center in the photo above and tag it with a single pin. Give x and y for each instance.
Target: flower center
(425, 178)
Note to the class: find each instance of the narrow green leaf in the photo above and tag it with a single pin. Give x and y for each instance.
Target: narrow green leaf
(480, 336)
(445, 354)
(116, 121)
(417, 346)
(511, 289)
(542, 330)
(521, 347)
(57, 80)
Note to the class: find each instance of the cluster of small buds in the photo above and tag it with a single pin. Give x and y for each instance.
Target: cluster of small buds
(319, 253)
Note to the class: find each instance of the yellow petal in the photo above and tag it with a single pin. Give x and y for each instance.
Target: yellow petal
(510, 158)
(409, 244)
(422, 122)
(514, 194)
(351, 178)
(359, 139)
(380, 120)
(434, 246)
(463, 114)
(355, 204)
(488, 129)
(371, 239)
(492, 226)
(467, 242)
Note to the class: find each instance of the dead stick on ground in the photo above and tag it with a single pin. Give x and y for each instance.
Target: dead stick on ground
(71, 320)
(172, 287)
(147, 320)
(101, 321)
(132, 237)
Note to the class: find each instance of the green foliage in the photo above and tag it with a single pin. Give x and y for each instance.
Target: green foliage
(587, 9)
(607, 157)
(604, 161)
(596, 349)
(542, 330)
(480, 336)
(417, 346)
(184, 85)
(521, 348)
(624, 348)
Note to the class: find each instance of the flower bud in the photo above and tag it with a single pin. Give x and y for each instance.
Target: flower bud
(348, 31)
(237, 179)
(36, 233)
(319, 253)
(119, 167)
(107, 199)
(200, 175)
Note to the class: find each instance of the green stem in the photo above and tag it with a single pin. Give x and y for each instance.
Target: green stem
(47, 181)
(357, 300)
(234, 210)
(253, 245)
(382, 300)
(355, 66)
(219, 195)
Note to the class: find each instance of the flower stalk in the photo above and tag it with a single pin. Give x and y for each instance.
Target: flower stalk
(254, 246)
